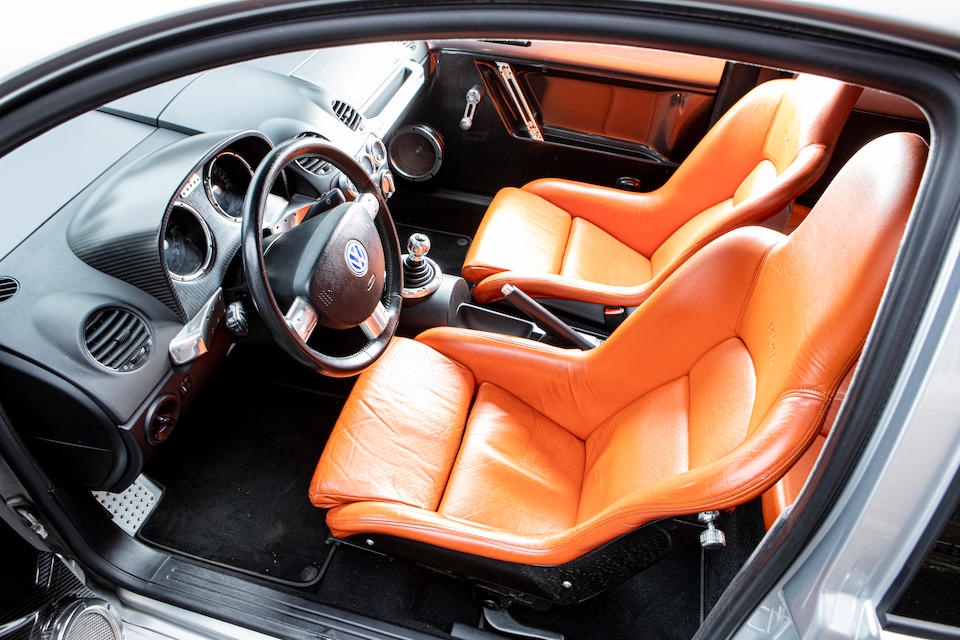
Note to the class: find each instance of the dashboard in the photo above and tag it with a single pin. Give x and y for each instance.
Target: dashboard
(123, 265)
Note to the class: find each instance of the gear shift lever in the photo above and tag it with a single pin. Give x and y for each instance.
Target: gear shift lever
(418, 246)
(421, 275)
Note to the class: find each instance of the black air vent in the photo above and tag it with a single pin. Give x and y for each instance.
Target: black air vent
(347, 114)
(313, 164)
(118, 339)
(8, 288)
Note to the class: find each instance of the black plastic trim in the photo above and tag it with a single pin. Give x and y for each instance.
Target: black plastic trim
(568, 583)
(86, 431)
(188, 584)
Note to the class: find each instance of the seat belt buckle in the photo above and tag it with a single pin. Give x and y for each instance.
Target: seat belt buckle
(613, 317)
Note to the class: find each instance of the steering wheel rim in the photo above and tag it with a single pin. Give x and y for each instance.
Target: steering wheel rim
(387, 311)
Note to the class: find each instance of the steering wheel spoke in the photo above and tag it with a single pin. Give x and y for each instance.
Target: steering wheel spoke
(302, 318)
(374, 325)
(369, 203)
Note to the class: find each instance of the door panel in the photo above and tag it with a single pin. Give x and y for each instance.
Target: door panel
(664, 122)
(640, 112)
(604, 112)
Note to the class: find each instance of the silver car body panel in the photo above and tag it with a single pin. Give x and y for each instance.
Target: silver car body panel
(834, 588)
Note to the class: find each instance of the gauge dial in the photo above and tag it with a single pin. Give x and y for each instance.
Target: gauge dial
(368, 164)
(227, 181)
(377, 150)
(187, 247)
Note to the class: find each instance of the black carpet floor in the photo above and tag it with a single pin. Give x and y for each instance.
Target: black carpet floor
(447, 249)
(235, 474)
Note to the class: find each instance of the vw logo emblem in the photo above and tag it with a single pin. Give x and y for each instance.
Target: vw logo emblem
(356, 257)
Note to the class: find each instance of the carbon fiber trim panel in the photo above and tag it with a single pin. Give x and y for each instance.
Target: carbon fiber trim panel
(118, 230)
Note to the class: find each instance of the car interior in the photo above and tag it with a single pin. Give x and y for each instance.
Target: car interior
(525, 338)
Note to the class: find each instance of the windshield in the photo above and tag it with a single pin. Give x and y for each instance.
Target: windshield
(32, 30)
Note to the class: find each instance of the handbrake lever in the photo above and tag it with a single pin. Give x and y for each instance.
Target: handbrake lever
(546, 319)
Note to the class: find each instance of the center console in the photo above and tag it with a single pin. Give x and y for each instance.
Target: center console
(432, 298)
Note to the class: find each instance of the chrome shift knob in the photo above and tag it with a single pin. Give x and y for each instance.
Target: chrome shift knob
(418, 246)
(421, 275)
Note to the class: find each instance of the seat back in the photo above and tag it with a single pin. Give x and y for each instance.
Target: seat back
(817, 292)
(754, 335)
(741, 173)
(769, 148)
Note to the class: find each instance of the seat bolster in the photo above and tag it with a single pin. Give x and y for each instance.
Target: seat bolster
(808, 165)
(664, 338)
(752, 208)
(399, 432)
(639, 220)
(391, 519)
(519, 232)
(785, 492)
(593, 254)
(737, 477)
(562, 288)
(547, 378)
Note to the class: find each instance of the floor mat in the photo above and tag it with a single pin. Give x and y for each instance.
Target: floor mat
(395, 590)
(447, 249)
(235, 474)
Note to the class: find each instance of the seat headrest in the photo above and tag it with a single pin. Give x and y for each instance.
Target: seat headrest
(812, 111)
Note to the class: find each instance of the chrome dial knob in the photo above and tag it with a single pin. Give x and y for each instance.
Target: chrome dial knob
(387, 184)
(236, 319)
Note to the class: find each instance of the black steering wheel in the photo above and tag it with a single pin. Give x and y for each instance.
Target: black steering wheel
(340, 269)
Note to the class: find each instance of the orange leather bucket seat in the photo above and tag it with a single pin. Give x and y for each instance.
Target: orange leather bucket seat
(568, 240)
(511, 451)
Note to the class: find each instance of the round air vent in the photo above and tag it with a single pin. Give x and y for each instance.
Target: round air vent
(87, 619)
(117, 338)
(416, 152)
(8, 288)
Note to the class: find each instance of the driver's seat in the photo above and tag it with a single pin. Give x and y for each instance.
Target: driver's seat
(535, 468)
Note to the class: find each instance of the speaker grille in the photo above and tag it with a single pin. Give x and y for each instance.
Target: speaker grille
(85, 619)
(118, 339)
(416, 152)
(91, 625)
